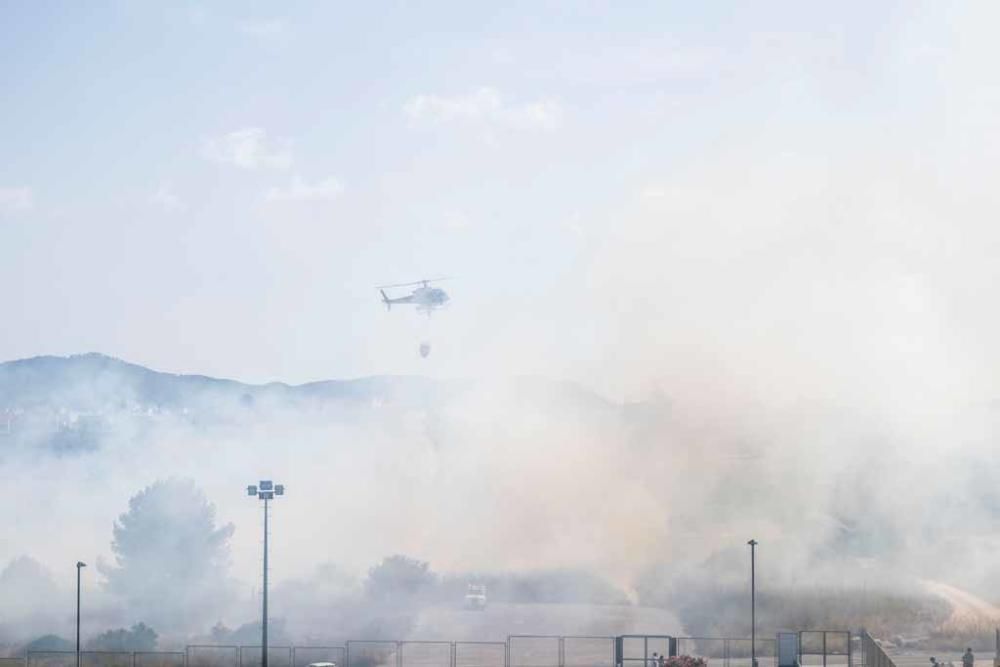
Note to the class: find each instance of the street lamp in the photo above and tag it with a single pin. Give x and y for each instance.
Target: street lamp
(265, 490)
(79, 566)
(753, 604)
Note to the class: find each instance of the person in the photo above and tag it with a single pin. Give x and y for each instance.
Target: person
(655, 660)
(934, 662)
(968, 660)
(661, 661)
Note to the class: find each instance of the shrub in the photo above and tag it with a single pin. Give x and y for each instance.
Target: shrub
(684, 661)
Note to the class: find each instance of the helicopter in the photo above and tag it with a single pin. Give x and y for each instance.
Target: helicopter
(424, 297)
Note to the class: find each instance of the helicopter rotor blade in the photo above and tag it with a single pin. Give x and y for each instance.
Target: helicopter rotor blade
(413, 284)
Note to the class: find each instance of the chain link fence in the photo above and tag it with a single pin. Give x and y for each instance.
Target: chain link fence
(480, 654)
(638, 650)
(277, 656)
(159, 659)
(872, 654)
(729, 652)
(213, 656)
(588, 651)
(818, 648)
(106, 659)
(535, 651)
(825, 648)
(303, 656)
(425, 654)
(51, 659)
(372, 654)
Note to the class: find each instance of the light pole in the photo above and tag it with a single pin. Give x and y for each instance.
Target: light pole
(79, 566)
(753, 603)
(266, 490)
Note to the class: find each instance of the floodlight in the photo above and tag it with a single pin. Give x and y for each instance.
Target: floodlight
(251, 490)
(266, 485)
(267, 495)
(279, 489)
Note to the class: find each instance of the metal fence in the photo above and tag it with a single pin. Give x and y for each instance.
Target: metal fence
(160, 659)
(534, 650)
(585, 651)
(480, 654)
(425, 654)
(50, 659)
(302, 656)
(278, 656)
(102, 659)
(638, 650)
(815, 648)
(372, 654)
(106, 659)
(828, 648)
(872, 654)
(204, 655)
(728, 651)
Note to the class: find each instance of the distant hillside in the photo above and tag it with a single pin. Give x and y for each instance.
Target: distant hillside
(70, 403)
(90, 381)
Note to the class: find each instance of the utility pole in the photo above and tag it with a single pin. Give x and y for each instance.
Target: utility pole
(753, 603)
(266, 490)
(79, 566)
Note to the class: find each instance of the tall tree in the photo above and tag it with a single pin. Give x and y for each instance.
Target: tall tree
(140, 638)
(29, 599)
(171, 558)
(399, 577)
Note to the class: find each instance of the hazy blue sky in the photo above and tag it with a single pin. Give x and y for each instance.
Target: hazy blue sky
(636, 190)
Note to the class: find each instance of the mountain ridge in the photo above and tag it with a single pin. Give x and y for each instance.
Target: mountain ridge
(70, 379)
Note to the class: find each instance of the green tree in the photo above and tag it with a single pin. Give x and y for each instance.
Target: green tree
(50, 643)
(140, 637)
(399, 576)
(171, 558)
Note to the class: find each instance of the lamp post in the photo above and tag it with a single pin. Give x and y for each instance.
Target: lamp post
(753, 603)
(79, 566)
(265, 490)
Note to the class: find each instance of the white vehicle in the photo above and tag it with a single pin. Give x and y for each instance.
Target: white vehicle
(475, 597)
(322, 664)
